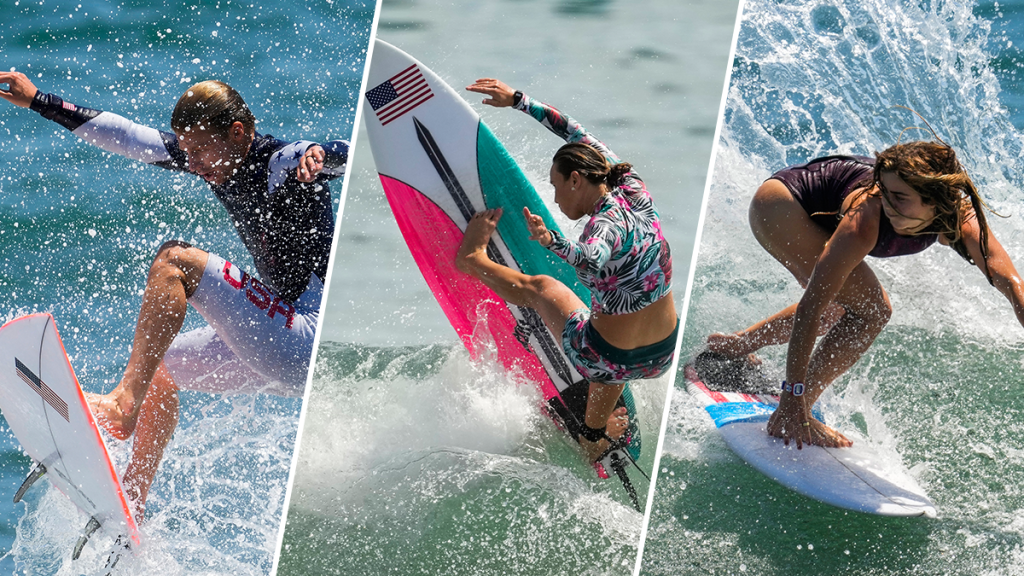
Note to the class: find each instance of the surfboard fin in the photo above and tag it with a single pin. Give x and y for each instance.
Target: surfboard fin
(90, 528)
(34, 475)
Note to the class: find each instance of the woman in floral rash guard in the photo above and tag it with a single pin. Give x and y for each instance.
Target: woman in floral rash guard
(629, 331)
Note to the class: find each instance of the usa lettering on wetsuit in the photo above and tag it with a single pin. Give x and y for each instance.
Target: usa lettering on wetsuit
(259, 294)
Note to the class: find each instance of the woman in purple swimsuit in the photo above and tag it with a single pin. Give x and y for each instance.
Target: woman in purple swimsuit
(820, 220)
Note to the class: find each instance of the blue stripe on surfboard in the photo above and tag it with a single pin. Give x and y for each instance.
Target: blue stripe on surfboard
(724, 413)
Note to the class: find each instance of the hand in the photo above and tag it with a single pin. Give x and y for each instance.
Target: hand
(20, 90)
(792, 421)
(501, 96)
(538, 230)
(311, 164)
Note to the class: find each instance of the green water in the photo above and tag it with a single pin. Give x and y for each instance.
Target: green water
(938, 393)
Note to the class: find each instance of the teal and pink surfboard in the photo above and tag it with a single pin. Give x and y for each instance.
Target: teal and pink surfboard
(440, 164)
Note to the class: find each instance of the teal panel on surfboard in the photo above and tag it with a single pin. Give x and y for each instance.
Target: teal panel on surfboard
(504, 185)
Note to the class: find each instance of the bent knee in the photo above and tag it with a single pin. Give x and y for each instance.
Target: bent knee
(179, 259)
(541, 284)
(875, 314)
(172, 251)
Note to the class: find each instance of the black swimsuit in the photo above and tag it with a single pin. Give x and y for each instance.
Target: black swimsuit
(823, 184)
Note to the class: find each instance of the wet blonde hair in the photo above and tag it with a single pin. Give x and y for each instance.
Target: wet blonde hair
(212, 106)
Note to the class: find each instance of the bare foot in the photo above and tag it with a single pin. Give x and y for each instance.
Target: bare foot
(474, 242)
(109, 414)
(732, 346)
(618, 424)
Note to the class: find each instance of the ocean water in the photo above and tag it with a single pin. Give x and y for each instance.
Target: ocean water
(939, 392)
(417, 460)
(80, 227)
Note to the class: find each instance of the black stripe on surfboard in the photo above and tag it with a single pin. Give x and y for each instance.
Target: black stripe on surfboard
(550, 349)
(444, 170)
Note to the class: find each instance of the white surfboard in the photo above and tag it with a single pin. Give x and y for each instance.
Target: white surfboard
(851, 478)
(46, 409)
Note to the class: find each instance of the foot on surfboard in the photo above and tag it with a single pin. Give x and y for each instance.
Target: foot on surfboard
(742, 375)
(811, 432)
(474, 242)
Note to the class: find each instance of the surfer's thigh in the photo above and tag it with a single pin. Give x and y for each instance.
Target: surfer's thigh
(200, 361)
(269, 335)
(554, 301)
(862, 295)
(783, 228)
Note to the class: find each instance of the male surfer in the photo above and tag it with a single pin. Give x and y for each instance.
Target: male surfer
(276, 193)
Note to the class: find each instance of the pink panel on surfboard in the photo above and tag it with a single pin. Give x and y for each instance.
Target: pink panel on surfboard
(469, 305)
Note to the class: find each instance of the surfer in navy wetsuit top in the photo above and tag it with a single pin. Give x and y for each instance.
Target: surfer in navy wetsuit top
(820, 220)
(277, 196)
(629, 331)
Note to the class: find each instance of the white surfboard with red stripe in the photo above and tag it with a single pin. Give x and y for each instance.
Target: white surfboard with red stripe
(46, 409)
(851, 478)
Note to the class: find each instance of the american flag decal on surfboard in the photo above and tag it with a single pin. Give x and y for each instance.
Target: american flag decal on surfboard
(398, 95)
(42, 389)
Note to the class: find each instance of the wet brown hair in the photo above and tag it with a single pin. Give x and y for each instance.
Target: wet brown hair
(212, 106)
(933, 171)
(590, 163)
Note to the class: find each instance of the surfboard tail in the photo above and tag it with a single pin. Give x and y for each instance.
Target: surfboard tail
(48, 413)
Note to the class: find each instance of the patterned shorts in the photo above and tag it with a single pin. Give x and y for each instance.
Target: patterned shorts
(598, 361)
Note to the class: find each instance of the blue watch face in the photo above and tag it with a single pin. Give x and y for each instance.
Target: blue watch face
(798, 389)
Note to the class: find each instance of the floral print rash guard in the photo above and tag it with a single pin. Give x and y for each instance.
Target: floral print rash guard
(621, 256)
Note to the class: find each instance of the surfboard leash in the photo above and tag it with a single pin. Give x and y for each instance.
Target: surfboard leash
(621, 444)
(618, 465)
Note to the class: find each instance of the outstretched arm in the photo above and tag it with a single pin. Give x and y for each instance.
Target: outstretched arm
(1000, 268)
(106, 130)
(501, 95)
(20, 90)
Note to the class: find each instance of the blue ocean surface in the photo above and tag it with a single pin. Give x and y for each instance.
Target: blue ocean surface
(939, 392)
(79, 228)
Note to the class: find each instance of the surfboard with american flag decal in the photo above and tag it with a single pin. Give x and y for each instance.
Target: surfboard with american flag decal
(46, 409)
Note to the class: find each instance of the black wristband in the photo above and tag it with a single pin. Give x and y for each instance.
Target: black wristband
(517, 98)
(592, 434)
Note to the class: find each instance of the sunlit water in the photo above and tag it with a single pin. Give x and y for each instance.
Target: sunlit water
(80, 227)
(939, 392)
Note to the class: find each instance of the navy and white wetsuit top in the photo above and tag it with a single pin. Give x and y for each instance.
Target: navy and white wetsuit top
(285, 224)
